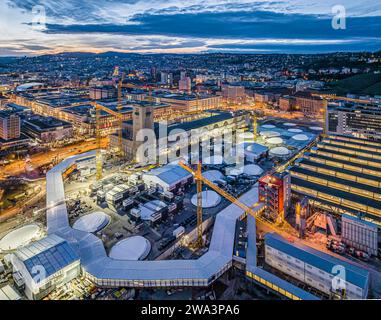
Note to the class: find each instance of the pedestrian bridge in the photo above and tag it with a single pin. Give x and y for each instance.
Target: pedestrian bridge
(201, 272)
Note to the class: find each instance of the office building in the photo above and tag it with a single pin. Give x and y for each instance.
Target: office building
(287, 103)
(47, 129)
(311, 106)
(9, 125)
(185, 84)
(190, 102)
(362, 121)
(233, 94)
(166, 78)
(104, 92)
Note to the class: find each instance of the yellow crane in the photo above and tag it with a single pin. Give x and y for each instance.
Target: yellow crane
(254, 210)
(255, 126)
(98, 109)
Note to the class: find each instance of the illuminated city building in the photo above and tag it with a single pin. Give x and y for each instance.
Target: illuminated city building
(342, 175)
(275, 193)
(363, 121)
(315, 268)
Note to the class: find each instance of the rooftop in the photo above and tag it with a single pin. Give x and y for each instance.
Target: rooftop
(52, 252)
(355, 275)
(43, 123)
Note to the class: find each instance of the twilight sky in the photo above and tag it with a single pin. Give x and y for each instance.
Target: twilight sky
(188, 26)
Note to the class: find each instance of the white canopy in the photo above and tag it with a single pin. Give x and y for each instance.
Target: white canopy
(209, 199)
(20, 237)
(133, 248)
(92, 222)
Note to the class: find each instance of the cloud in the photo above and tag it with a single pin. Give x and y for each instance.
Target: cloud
(189, 26)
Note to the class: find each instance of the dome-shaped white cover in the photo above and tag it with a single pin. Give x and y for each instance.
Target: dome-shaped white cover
(92, 222)
(20, 237)
(133, 248)
(252, 170)
(279, 151)
(213, 175)
(275, 140)
(209, 199)
(269, 134)
(268, 126)
(316, 128)
(295, 130)
(289, 124)
(300, 137)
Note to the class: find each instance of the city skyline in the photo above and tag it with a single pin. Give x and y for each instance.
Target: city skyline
(291, 26)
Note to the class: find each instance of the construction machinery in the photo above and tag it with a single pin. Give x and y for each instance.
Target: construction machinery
(254, 210)
(255, 126)
(199, 243)
(98, 109)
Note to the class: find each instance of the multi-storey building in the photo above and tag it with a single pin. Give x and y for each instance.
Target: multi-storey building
(275, 193)
(9, 125)
(352, 119)
(104, 92)
(47, 129)
(287, 103)
(310, 105)
(233, 94)
(190, 102)
(342, 175)
(45, 265)
(331, 276)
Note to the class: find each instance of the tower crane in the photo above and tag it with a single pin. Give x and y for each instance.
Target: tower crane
(98, 109)
(254, 210)
(255, 126)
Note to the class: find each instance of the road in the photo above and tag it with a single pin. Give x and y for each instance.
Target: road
(18, 167)
(11, 212)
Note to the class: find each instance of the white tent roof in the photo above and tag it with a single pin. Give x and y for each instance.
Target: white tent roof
(92, 222)
(289, 124)
(279, 151)
(275, 140)
(316, 128)
(295, 130)
(20, 237)
(270, 134)
(268, 126)
(300, 137)
(213, 175)
(252, 170)
(209, 199)
(256, 148)
(133, 248)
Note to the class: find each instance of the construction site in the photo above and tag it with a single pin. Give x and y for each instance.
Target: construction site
(186, 223)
